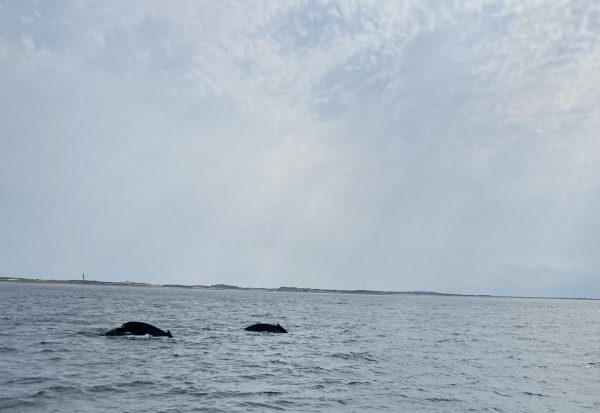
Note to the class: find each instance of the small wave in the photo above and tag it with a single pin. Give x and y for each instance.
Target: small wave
(65, 389)
(442, 399)
(11, 403)
(256, 376)
(270, 393)
(280, 362)
(231, 394)
(311, 369)
(137, 383)
(181, 391)
(93, 333)
(102, 388)
(210, 409)
(355, 383)
(260, 405)
(528, 393)
(354, 356)
(28, 380)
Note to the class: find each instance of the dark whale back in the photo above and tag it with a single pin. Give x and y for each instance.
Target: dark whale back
(271, 328)
(137, 328)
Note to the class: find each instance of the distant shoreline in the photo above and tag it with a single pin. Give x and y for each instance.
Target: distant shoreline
(222, 287)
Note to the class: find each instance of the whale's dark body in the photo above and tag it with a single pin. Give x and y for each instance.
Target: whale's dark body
(138, 328)
(266, 327)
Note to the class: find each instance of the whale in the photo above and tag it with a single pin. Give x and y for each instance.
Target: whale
(137, 328)
(270, 328)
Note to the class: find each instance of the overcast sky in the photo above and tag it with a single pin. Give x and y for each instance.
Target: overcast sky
(414, 145)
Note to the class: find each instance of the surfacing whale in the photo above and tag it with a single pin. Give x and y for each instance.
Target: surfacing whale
(137, 328)
(266, 327)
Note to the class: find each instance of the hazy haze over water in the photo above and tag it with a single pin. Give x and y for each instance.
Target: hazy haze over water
(343, 352)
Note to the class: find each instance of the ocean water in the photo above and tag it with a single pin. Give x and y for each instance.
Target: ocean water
(343, 352)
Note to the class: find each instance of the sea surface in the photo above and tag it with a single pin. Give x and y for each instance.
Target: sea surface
(345, 353)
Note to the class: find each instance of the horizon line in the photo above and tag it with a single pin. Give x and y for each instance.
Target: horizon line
(229, 287)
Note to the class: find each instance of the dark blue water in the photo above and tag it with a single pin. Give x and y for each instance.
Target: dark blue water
(343, 353)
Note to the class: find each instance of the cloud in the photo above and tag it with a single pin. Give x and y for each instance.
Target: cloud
(335, 144)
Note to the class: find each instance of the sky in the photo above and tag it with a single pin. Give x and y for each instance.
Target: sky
(447, 146)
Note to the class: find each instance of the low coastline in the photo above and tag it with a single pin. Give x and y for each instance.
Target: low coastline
(222, 287)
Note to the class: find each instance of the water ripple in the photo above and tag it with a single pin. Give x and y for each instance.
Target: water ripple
(343, 353)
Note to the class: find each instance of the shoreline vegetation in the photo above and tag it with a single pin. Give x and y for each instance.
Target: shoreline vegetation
(280, 289)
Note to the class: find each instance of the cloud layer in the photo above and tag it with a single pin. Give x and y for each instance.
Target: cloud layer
(424, 145)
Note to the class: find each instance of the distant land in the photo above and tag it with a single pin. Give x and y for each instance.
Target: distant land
(225, 287)
(280, 289)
